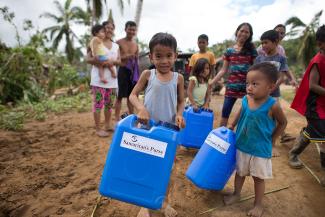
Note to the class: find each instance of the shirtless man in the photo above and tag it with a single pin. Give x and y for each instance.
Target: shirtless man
(128, 73)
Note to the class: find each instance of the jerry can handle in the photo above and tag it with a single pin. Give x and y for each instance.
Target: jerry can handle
(201, 109)
(168, 125)
(206, 110)
(135, 123)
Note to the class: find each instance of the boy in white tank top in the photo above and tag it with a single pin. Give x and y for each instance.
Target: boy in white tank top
(164, 95)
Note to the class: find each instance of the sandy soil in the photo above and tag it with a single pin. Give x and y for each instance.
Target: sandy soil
(53, 168)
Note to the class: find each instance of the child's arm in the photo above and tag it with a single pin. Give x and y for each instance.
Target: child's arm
(235, 121)
(90, 59)
(314, 81)
(280, 80)
(212, 62)
(190, 89)
(284, 70)
(281, 121)
(191, 62)
(207, 97)
(221, 73)
(180, 102)
(95, 46)
(143, 114)
(292, 78)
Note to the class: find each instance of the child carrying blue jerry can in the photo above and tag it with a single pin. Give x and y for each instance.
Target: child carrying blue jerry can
(216, 160)
(139, 162)
(198, 125)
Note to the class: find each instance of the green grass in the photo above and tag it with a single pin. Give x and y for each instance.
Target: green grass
(14, 118)
(288, 95)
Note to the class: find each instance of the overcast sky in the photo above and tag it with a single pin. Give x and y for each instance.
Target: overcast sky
(185, 19)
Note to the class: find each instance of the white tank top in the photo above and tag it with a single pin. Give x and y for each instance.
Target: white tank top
(160, 98)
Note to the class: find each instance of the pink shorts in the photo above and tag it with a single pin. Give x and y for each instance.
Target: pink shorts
(103, 97)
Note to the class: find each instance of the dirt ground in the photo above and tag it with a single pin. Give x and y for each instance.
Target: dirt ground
(53, 168)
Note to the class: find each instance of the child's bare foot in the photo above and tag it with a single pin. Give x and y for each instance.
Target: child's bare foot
(275, 152)
(231, 199)
(169, 211)
(144, 212)
(257, 211)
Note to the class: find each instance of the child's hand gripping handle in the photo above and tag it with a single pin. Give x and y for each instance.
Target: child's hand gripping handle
(180, 122)
(133, 121)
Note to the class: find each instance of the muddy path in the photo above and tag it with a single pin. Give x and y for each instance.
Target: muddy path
(53, 168)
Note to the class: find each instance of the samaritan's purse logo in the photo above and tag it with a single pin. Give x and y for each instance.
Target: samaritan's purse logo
(144, 144)
(134, 138)
(217, 143)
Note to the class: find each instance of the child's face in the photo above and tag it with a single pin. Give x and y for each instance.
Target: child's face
(282, 32)
(206, 71)
(163, 58)
(101, 34)
(202, 44)
(257, 85)
(243, 34)
(131, 31)
(269, 47)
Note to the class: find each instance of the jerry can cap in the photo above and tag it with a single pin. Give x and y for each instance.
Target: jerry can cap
(223, 130)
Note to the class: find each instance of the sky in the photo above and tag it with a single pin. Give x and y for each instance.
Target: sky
(185, 19)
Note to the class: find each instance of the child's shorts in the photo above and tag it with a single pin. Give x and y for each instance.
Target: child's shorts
(249, 165)
(102, 58)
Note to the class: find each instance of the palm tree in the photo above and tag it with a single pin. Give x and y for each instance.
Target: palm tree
(9, 16)
(67, 16)
(307, 45)
(97, 8)
(138, 13)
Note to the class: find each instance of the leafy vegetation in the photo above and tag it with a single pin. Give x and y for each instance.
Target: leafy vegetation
(31, 72)
(62, 28)
(14, 118)
(306, 34)
(20, 74)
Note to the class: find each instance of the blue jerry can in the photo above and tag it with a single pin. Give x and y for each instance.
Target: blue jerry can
(216, 160)
(198, 125)
(139, 163)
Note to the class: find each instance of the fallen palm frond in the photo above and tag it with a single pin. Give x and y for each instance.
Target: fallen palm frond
(249, 197)
(311, 172)
(96, 205)
(268, 192)
(317, 146)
